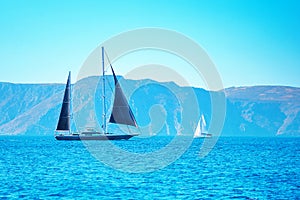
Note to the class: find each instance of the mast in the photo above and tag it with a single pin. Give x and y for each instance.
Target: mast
(103, 93)
(70, 102)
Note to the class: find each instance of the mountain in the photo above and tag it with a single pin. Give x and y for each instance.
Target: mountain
(28, 107)
(263, 110)
(159, 108)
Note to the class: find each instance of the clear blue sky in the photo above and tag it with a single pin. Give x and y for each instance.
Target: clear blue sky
(251, 42)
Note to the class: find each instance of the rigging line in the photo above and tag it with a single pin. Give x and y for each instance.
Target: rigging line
(107, 58)
(139, 129)
(110, 65)
(111, 88)
(128, 129)
(72, 121)
(106, 69)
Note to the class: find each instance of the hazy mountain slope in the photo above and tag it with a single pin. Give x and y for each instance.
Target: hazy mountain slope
(22, 105)
(251, 111)
(265, 109)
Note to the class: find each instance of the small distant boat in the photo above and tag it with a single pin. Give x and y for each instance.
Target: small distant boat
(200, 131)
(121, 114)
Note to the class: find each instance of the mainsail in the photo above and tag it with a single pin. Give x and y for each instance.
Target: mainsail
(203, 124)
(121, 112)
(197, 132)
(64, 117)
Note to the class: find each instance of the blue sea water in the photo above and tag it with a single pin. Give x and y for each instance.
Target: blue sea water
(242, 168)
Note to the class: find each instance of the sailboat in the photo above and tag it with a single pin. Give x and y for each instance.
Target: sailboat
(121, 114)
(200, 131)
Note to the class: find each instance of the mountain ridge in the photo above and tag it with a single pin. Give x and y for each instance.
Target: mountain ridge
(251, 110)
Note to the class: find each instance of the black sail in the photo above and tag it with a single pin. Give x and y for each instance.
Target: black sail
(121, 112)
(64, 117)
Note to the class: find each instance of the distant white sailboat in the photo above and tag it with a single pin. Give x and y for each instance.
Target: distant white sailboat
(201, 131)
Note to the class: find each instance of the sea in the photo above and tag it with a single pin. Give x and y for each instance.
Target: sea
(39, 167)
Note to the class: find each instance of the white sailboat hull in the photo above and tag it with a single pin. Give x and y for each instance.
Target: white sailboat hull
(203, 135)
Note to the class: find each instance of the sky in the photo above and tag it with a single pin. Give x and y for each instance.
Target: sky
(250, 42)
